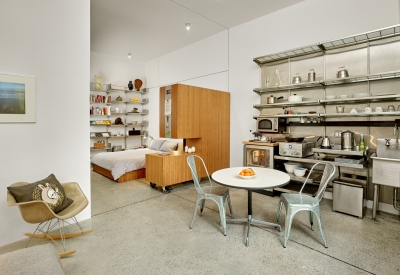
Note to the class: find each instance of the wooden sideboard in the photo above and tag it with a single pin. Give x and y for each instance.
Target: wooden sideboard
(171, 169)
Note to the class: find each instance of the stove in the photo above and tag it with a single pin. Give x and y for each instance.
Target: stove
(296, 149)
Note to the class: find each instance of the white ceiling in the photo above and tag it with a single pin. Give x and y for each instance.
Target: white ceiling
(151, 28)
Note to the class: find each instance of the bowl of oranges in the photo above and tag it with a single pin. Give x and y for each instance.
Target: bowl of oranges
(247, 173)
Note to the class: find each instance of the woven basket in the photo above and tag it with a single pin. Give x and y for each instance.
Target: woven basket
(99, 145)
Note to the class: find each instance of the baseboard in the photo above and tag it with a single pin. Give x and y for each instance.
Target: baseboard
(384, 207)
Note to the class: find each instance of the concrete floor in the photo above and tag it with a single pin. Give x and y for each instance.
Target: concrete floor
(140, 230)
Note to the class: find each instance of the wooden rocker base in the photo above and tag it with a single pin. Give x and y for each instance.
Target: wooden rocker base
(66, 253)
(58, 236)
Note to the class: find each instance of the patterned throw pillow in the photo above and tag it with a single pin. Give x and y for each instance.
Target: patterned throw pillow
(168, 146)
(156, 144)
(48, 190)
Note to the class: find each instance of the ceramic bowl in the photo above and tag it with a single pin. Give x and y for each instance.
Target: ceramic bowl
(246, 177)
(300, 171)
(344, 96)
(330, 97)
(290, 166)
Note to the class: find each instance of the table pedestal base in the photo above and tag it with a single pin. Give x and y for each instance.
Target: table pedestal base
(251, 221)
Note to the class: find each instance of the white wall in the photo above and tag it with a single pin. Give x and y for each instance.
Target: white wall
(116, 70)
(49, 40)
(303, 24)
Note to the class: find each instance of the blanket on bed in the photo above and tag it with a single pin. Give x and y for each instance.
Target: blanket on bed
(122, 162)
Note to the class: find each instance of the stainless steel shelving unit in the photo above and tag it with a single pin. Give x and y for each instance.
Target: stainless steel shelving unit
(320, 48)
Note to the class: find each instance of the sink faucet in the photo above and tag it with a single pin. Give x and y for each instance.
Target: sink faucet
(396, 133)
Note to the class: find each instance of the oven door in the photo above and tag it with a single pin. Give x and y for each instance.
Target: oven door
(258, 156)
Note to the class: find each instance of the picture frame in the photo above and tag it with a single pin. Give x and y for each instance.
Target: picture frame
(93, 122)
(107, 122)
(99, 122)
(17, 99)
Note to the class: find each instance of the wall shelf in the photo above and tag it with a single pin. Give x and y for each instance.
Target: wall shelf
(346, 123)
(127, 100)
(331, 45)
(330, 82)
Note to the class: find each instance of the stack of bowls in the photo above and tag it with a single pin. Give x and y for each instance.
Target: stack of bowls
(290, 166)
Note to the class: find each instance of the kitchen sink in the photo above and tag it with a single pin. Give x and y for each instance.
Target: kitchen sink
(391, 152)
(386, 163)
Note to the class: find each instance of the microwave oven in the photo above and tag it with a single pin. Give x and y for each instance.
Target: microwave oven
(271, 124)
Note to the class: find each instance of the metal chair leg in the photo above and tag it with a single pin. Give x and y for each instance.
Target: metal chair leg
(223, 215)
(288, 225)
(230, 206)
(317, 213)
(203, 202)
(310, 215)
(278, 214)
(194, 213)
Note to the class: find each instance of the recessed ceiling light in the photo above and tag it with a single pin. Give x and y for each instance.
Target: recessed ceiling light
(188, 26)
(129, 55)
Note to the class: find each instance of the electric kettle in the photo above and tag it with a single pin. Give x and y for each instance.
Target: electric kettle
(326, 143)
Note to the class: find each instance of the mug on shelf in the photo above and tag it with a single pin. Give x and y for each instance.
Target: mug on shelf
(339, 109)
(378, 109)
(391, 108)
(368, 110)
(353, 111)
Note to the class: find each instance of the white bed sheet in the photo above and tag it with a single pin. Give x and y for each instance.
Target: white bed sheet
(122, 162)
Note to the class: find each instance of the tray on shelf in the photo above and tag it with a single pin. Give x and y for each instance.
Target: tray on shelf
(350, 159)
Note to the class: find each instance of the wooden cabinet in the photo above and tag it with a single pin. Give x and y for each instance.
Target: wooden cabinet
(171, 169)
(199, 116)
(183, 122)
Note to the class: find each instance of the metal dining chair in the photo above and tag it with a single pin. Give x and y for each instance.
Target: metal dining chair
(298, 202)
(209, 191)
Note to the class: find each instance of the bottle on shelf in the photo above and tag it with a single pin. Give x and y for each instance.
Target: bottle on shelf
(361, 145)
(277, 78)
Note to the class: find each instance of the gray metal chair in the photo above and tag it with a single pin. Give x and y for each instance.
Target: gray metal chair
(298, 202)
(209, 191)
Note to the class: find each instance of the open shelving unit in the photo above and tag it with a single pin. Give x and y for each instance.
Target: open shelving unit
(106, 111)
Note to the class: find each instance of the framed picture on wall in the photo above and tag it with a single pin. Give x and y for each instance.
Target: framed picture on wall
(17, 98)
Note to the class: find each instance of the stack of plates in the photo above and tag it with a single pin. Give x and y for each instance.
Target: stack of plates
(362, 95)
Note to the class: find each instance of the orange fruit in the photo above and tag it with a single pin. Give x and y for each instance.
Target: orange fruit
(241, 173)
(247, 174)
(252, 173)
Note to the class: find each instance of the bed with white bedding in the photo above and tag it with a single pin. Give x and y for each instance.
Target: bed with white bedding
(120, 163)
(129, 164)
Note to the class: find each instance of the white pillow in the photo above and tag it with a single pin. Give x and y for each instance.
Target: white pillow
(156, 144)
(168, 146)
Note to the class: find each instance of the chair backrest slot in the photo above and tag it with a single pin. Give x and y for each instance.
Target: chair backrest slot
(327, 175)
(192, 165)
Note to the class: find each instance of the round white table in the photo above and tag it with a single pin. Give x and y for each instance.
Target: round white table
(264, 178)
